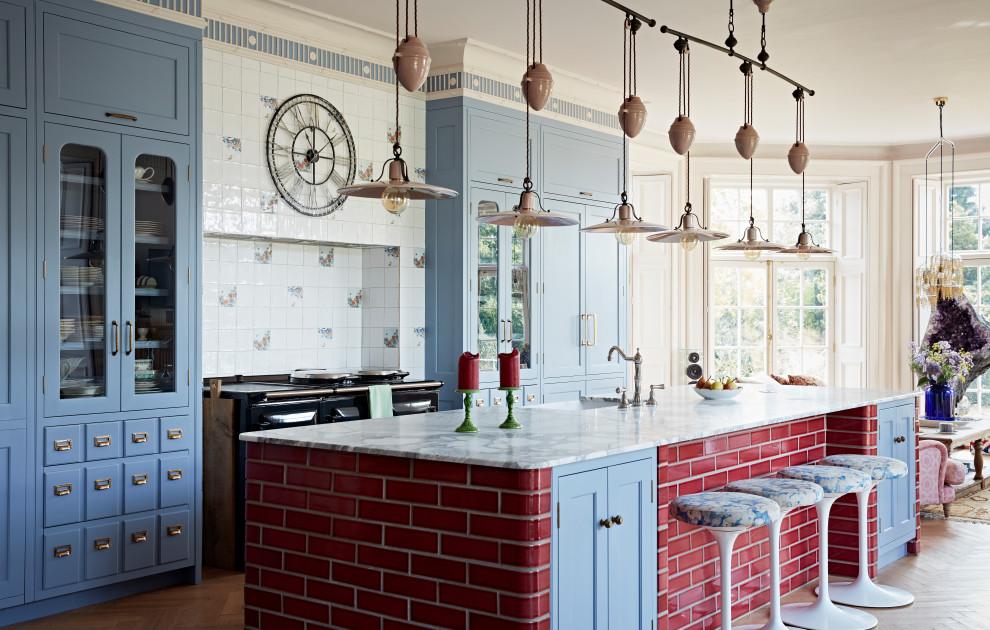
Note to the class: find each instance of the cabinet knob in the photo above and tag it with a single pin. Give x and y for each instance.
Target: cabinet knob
(899, 439)
(617, 519)
(606, 523)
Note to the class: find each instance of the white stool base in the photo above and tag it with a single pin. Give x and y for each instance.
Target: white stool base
(767, 626)
(868, 594)
(824, 615)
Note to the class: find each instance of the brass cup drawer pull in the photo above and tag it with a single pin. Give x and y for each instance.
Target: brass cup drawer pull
(139, 438)
(479, 403)
(174, 434)
(496, 401)
(63, 445)
(63, 489)
(174, 530)
(141, 536)
(102, 484)
(101, 440)
(62, 551)
(531, 397)
(139, 480)
(175, 474)
(101, 543)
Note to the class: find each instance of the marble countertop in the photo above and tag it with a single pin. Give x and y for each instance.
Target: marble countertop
(563, 433)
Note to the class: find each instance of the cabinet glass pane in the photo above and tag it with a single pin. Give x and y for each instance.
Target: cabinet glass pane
(521, 306)
(489, 326)
(82, 309)
(151, 336)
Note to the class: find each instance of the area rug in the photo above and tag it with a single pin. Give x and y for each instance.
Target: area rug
(974, 507)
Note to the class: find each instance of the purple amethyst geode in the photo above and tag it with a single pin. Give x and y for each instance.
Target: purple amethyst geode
(958, 322)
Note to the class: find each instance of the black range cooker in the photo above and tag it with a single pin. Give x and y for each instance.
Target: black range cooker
(307, 397)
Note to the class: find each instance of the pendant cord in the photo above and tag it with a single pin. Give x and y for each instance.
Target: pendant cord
(941, 183)
(802, 201)
(416, 18)
(527, 104)
(624, 96)
(541, 32)
(397, 26)
(751, 220)
(799, 116)
(407, 19)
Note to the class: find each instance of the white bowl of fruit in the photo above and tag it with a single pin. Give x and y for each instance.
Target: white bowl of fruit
(715, 389)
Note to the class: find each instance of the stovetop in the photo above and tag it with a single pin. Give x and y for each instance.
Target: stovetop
(278, 386)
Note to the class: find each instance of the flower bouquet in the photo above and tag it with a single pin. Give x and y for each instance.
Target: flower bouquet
(937, 367)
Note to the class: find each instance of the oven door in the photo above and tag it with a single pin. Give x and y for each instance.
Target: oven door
(282, 415)
(406, 403)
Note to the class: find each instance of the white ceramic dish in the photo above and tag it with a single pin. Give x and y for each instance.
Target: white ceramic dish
(718, 394)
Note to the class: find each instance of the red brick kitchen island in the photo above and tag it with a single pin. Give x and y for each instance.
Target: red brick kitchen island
(402, 523)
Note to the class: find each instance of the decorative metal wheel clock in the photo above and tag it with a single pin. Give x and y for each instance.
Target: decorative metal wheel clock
(311, 154)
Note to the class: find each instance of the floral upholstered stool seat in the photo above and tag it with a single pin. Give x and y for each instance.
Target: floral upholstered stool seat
(863, 591)
(822, 614)
(788, 494)
(725, 515)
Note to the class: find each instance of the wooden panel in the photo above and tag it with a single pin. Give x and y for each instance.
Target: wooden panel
(220, 450)
(853, 309)
(13, 55)
(581, 562)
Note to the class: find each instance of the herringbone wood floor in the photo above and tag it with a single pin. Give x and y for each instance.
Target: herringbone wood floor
(950, 579)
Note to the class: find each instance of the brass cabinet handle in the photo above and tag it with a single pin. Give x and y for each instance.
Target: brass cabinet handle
(584, 337)
(531, 397)
(479, 403)
(174, 530)
(899, 439)
(101, 440)
(496, 401)
(139, 438)
(139, 480)
(175, 474)
(63, 489)
(63, 445)
(595, 342)
(174, 434)
(63, 550)
(141, 536)
(130, 338)
(586, 194)
(617, 519)
(102, 484)
(124, 116)
(506, 180)
(101, 543)
(606, 523)
(115, 348)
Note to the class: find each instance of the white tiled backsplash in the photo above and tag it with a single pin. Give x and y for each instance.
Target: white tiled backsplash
(282, 290)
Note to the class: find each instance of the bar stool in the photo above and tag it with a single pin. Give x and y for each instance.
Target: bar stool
(788, 494)
(864, 591)
(822, 614)
(725, 515)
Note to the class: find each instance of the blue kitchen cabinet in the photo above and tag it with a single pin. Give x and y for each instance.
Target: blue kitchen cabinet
(896, 498)
(13, 54)
(12, 519)
(604, 544)
(495, 149)
(576, 165)
(14, 312)
(604, 274)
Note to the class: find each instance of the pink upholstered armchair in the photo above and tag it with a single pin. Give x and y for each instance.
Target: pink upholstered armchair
(938, 474)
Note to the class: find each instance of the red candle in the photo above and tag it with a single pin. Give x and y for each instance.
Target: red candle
(508, 366)
(468, 375)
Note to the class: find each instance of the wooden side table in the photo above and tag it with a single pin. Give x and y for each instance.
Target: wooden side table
(975, 432)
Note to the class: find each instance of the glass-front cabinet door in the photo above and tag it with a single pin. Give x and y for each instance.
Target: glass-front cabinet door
(504, 284)
(82, 264)
(155, 274)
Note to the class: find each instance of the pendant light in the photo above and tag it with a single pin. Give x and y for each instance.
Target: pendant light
(398, 191)
(682, 131)
(528, 216)
(689, 232)
(625, 224)
(941, 276)
(752, 244)
(798, 155)
(746, 138)
(805, 245)
(632, 112)
(537, 82)
(411, 59)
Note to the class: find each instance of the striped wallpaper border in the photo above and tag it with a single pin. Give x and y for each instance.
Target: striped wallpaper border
(188, 7)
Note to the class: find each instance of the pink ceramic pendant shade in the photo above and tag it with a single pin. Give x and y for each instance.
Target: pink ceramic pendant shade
(798, 157)
(632, 116)
(411, 62)
(746, 141)
(681, 134)
(537, 85)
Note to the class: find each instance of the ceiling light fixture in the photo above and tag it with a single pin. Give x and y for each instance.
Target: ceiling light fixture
(632, 112)
(411, 59)
(805, 245)
(689, 232)
(396, 193)
(537, 82)
(752, 244)
(798, 156)
(682, 131)
(528, 216)
(625, 224)
(746, 138)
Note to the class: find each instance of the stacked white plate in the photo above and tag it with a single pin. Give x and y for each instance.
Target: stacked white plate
(77, 388)
(92, 328)
(81, 276)
(146, 387)
(73, 222)
(66, 327)
(149, 228)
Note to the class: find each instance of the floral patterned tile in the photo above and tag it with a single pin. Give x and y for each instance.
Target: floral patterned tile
(420, 174)
(228, 295)
(394, 135)
(269, 201)
(420, 333)
(419, 257)
(262, 339)
(391, 337)
(231, 147)
(326, 336)
(268, 105)
(326, 256)
(263, 252)
(354, 298)
(295, 296)
(365, 170)
(391, 256)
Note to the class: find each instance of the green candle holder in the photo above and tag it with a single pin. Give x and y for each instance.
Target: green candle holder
(467, 426)
(510, 422)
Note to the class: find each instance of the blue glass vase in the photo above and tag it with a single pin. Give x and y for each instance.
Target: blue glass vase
(940, 401)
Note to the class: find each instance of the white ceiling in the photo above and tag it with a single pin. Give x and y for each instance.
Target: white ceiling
(874, 64)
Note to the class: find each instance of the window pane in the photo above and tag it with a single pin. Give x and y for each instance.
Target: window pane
(787, 205)
(725, 290)
(788, 361)
(760, 203)
(752, 327)
(965, 201)
(816, 205)
(985, 199)
(813, 330)
(964, 234)
(788, 331)
(814, 287)
(753, 287)
(726, 362)
(789, 287)
(751, 362)
(725, 204)
(984, 285)
(726, 327)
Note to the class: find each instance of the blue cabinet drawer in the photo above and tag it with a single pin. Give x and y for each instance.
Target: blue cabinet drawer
(63, 558)
(173, 536)
(140, 484)
(142, 79)
(530, 395)
(175, 480)
(495, 150)
(102, 544)
(138, 543)
(140, 437)
(175, 433)
(63, 445)
(579, 167)
(102, 440)
(13, 56)
(63, 497)
(102, 491)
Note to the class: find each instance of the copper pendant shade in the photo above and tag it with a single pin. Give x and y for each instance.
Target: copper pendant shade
(752, 242)
(632, 116)
(688, 230)
(798, 157)
(746, 141)
(527, 213)
(411, 62)
(805, 247)
(537, 85)
(625, 222)
(681, 134)
(398, 178)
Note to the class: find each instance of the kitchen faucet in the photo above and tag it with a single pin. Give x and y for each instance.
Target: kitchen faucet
(638, 363)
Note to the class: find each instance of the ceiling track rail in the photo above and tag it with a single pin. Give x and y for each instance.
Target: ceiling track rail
(630, 13)
(756, 64)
